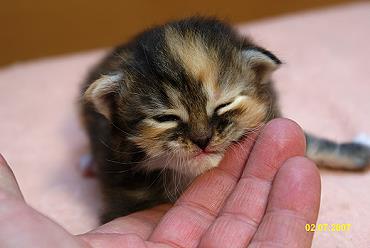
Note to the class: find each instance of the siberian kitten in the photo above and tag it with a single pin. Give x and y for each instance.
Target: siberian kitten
(163, 108)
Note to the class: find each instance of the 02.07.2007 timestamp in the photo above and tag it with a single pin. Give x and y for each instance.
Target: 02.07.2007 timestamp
(327, 227)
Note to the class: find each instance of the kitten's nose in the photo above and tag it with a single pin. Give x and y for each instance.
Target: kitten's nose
(202, 141)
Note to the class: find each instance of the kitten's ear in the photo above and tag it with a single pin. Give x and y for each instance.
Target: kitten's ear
(261, 61)
(100, 91)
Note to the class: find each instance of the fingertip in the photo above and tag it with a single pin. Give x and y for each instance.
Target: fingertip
(280, 140)
(284, 122)
(303, 171)
(4, 163)
(288, 129)
(297, 187)
(8, 183)
(302, 168)
(2, 160)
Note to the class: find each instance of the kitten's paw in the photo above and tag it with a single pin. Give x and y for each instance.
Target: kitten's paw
(87, 166)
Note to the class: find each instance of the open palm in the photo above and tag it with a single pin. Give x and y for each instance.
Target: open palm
(262, 194)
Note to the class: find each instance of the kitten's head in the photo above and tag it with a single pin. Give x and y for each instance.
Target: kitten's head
(186, 91)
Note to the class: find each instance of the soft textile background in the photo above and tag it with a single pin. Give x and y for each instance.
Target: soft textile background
(324, 86)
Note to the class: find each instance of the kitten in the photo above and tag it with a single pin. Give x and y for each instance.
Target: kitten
(163, 108)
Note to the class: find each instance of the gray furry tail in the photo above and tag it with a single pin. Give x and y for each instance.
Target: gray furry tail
(347, 156)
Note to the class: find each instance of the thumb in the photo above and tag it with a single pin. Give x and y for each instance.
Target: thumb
(8, 183)
(21, 225)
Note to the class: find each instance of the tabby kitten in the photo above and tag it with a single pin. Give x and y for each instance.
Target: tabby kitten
(163, 108)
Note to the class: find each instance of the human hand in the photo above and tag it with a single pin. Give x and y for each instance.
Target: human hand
(262, 194)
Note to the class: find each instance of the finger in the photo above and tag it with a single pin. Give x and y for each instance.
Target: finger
(294, 202)
(141, 223)
(235, 158)
(8, 183)
(197, 208)
(243, 211)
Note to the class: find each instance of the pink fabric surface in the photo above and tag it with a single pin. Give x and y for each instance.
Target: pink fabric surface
(324, 85)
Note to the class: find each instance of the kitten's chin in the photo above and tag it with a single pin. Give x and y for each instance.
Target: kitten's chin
(187, 166)
(203, 162)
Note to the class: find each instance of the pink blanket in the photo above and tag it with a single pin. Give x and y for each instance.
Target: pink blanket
(324, 85)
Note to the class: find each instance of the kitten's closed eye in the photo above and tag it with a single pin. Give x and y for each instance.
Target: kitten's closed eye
(166, 118)
(221, 106)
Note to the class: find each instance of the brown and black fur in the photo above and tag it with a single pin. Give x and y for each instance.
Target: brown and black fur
(152, 104)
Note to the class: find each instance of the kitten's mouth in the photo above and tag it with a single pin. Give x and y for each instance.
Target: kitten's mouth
(204, 153)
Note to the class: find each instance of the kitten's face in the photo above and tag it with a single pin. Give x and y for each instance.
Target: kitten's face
(199, 128)
(190, 99)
